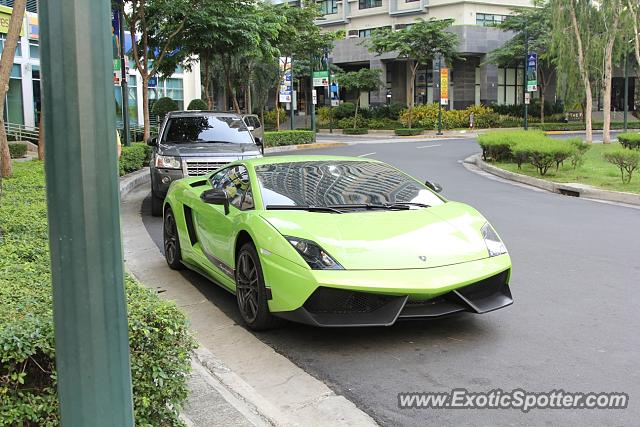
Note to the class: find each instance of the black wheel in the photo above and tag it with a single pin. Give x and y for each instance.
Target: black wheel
(251, 292)
(171, 241)
(156, 204)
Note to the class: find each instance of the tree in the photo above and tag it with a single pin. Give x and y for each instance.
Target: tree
(575, 43)
(155, 27)
(634, 19)
(419, 44)
(535, 24)
(610, 14)
(363, 80)
(6, 62)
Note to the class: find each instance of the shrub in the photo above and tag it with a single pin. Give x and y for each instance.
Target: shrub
(626, 160)
(344, 110)
(426, 116)
(387, 111)
(630, 140)
(288, 137)
(542, 154)
(355, 131)
(497, 146)
(323, 115)
(163, 106)
(159, 340)
(270, 119)
(348, 122)
(197, 104)
(17, 150)
(484, 117)
(408, 131)
(453, 119)
(384, 124)
(577, 158)
(134, 158)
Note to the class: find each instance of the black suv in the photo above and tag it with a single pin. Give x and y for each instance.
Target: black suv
(192, 143)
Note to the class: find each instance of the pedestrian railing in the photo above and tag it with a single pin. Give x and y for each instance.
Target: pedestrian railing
(20, 132)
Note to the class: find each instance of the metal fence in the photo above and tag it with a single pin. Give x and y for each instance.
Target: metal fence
(20, 132)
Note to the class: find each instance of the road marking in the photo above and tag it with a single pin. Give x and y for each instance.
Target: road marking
(365, 155)
(429, 146)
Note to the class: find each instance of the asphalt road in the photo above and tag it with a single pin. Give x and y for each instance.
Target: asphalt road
(574, 324)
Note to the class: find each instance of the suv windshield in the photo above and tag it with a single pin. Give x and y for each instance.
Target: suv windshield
(198, 129)
(339, 183)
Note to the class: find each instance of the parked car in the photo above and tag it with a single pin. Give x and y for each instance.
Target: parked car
(255, 127)
(334, 241)
(194, 143)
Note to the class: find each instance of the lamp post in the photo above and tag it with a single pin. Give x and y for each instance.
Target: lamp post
(524, 78)
(328, 68)
(123, 79)
(311, 103)
(292, 92)
(440, 96)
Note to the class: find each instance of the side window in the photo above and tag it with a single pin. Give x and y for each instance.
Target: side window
(217, 179)
(235, 181)
(256, 122)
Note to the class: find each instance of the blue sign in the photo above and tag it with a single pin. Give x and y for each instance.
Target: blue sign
(532, 72)
(153, 81)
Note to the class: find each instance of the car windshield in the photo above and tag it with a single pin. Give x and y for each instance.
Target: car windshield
(198, 129)
(339, 183)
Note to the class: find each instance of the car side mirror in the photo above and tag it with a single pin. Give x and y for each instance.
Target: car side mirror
(216, 196)
(152, 142)
(250, 128)
(434, 186)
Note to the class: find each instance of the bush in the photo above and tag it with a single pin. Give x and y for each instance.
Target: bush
(533, 109)
(497, 146)
(626, 160)
(289, 137)
(270, 119)
(163, 106)
(484, 117)
(543, 153)
(384, 124)
(134, 158)
(159, 340)
(323, 116)
(344, 110)
(630, 140)
(426, 116)
(355, 131)
(387, 111)
(577, 158)
(17, 151)
(348, 122)
(197, 104)
(408, 132)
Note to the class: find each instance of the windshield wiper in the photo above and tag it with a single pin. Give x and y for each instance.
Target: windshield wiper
(372, 206)
(310, 208)
(422, 205)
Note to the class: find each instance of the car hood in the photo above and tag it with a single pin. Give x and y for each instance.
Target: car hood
(417, 238)
(209, 150)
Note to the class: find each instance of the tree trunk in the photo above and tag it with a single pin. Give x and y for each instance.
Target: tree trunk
(207, 83)
(412, 95)
(277, 107)
(145, 108)
(234, 99)
(6, 62)
(584, 74)
(608, 71)
(355, 119)
(41, 137)
(635, 19)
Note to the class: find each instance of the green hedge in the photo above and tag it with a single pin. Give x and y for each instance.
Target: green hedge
(197, 104)
(160, 343)
(17, 151)
(355, 131)
(630, 140)
(134, 158)
(576, 126)
(409, 132)
(289, 137)
(530, 146)
(426, 116)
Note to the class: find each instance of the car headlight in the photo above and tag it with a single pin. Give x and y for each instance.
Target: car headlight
(313, 254)
(168, 162)
(493, 242)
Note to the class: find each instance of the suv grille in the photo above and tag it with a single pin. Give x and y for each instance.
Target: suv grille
(197, 168)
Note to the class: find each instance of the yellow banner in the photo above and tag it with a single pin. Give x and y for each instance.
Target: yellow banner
(444, 86)
(4, 22)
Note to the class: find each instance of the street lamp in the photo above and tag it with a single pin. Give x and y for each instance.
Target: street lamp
(328, 68)
(440, 96)
(524, 78)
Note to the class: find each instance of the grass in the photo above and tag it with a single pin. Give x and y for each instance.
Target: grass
(594, 171)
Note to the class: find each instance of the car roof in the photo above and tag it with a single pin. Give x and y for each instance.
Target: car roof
(198, 113)
(258, 161)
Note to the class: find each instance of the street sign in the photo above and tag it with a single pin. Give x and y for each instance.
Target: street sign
(444, 86)
(527, 98)
(334, 90)
(320, 78)
(153, 82)
(285, 83)
(532, 72)
(314, 97)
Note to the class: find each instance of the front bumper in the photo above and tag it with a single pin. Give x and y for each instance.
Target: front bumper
(158, 175)
(333, 307)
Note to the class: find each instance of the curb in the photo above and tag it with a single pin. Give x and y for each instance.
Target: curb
(567, 189)
(133, 180)
(285, 148)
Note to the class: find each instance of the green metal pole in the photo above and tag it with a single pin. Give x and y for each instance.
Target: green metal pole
(329, 92)
(123, 80)
(439, 96)
(312, 106)
(293, 101)
(90, 317)
(524, 79)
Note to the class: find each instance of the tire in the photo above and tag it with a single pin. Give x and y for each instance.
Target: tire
(251, 293)
(171, 241)
(156, 204)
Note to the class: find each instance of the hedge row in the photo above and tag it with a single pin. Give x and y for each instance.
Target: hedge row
(17, 151)
(630, 140)
(134, 157)
(533, 147)
(355, 131)
(409, 131)
(289, 137)
(426, 116)
(159, 341)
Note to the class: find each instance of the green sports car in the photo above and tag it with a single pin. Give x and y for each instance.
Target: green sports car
(334, 241)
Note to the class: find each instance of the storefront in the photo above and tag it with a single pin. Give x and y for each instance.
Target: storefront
(22, 102)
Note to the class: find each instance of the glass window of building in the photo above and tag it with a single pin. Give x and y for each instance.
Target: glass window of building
(367, 4)
(133, 99)
(14, 111)
(3, 37)
(510, 86)
(329, 7)
(488, 19)
(175, 91)
(34, 49)
(37, 97)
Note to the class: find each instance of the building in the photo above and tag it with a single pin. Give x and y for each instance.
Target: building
(23, 99)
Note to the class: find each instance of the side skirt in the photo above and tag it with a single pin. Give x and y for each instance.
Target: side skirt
(204, 274)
